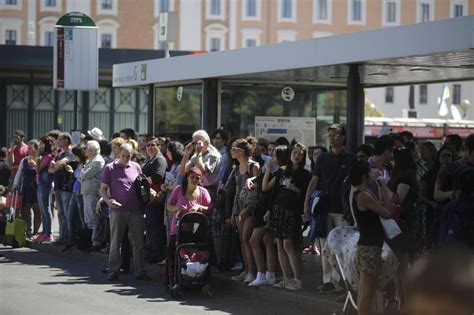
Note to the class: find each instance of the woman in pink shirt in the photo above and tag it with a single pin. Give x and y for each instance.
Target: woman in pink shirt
(44, 181)
(185, 198)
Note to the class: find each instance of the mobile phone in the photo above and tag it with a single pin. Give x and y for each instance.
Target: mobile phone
(116, 203)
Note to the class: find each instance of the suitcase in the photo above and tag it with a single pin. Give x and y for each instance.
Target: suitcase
(15, 229)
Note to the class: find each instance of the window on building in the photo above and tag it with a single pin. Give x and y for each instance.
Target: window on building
(106, 4)
(49, 38)
(391, 12)
(215, 7)
(106, 40)
(215, 44)
(251, 8)
(389, 95)
(11, 2)
(423, 94)
(425, 12)
(456, 94)
(50, 3)
(250, 43)
(164, 5)
(10, 37)
(286, 9)
(458, 10)
(357, 10)
(322, 9)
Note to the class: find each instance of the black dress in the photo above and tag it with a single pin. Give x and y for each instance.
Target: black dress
(287, 205)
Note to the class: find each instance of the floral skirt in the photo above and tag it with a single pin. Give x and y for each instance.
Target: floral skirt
(369, 259)
(342, 241)
(285, 223)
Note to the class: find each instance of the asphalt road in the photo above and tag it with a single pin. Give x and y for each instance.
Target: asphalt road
(33, 282)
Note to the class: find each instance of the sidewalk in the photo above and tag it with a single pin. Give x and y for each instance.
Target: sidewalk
(307, 299)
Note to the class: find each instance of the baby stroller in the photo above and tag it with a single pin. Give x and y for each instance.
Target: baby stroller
(341, 249)
(192, 255)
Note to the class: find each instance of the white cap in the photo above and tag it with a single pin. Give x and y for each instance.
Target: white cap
(96, 133)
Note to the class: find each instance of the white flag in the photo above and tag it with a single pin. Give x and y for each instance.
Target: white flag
(443, 106)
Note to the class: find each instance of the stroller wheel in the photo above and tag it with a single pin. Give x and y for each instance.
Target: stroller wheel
(207, 291)
(176, 292)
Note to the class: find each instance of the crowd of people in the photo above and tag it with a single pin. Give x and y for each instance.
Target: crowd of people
(257, 194)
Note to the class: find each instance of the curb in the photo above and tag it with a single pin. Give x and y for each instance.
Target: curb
(304, 300)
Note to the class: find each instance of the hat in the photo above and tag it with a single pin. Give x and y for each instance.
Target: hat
(96, 133)
(194, 170)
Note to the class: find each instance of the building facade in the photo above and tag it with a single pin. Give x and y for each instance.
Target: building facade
(214, 25)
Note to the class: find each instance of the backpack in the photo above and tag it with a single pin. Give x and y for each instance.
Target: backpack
(346, 208)
(142, 188)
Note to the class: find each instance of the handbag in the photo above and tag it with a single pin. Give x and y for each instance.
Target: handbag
(395, 208)
(390, 228)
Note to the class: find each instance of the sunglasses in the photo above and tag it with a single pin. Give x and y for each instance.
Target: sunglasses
(151, 145)
(235, 149)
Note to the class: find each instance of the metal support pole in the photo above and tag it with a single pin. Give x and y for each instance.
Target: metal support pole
(31, 109)
(112, 111)
(167, 49)
(151, 110)
(210, 99)
(56, 124)
(137, 110)
(4, 117)
(75, 110)
(355, 109)
(85, 110)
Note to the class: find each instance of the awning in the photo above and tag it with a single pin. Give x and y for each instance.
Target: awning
(437, 51)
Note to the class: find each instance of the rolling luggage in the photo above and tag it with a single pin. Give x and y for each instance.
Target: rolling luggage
(15, 229)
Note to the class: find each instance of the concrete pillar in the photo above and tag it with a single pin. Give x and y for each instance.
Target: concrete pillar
(210, 99)
(355, 109)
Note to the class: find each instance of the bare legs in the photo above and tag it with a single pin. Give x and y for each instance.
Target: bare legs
(367, 287)
(245, 228)
(258, 235)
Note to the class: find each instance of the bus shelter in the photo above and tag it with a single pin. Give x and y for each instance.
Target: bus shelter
(299, 88)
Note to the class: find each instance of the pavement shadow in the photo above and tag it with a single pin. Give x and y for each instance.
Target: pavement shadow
(68, 272)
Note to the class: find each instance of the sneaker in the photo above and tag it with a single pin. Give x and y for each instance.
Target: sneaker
(327, 288)
(240, 277)
(237, 266)
(48, 238)
(39, 238)
(282, 284)
(294, 285)
(43, 238)
(258, 282)
(271, 280)
(249, 278)
(34, 238)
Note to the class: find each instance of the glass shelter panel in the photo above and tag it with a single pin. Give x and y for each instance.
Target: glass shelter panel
(178, 109)
(240, 103)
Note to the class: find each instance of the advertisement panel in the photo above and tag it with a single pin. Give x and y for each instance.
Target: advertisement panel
(302, 129)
